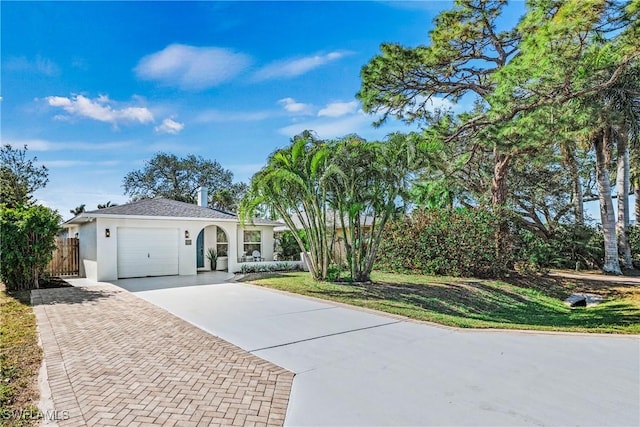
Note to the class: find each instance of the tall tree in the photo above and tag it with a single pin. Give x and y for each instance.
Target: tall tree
(583, 52)
(623, 186)
(166, 175)
(291, 184)
(227, 199)
(544, 63)
(466, 50)
(601, 141)
(359, 182)
(568, 150)
(20, 177)
(616, 119)
(635, 178)
(366, 181)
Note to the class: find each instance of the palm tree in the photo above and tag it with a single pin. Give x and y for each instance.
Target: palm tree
(291, 185)
(601, 141)
(624, 103)
(623, 186)
(617, 117)
(106, 205)
(78, 210)
(635, 178)
(365, 181)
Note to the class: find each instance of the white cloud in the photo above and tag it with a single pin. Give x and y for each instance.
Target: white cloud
(190, 67)
(58, 101)
(38, 65)
(294, 107)
(337, 109)
(100, 109)
(296, 66)
(170, 126)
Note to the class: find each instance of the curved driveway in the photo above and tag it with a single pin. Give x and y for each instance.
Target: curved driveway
(358, 368)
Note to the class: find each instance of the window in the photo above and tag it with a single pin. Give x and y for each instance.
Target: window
(222, 246)
(252, 241)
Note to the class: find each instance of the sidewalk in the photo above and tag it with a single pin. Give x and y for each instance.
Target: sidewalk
(114, 359)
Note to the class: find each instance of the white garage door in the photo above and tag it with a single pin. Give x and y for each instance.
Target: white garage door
(147, 252)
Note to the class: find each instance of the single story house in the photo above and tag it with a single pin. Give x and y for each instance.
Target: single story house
(162, 237)
(335, 235)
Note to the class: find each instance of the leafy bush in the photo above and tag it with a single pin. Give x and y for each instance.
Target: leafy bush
(634, 241)
(569, 245)
(27, 240)
(288, 247)
(452, 242)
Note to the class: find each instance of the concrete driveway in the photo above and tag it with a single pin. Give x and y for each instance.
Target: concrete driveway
(357, 368)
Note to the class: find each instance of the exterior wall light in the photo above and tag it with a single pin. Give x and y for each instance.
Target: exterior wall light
(107, 233)
(186, 234)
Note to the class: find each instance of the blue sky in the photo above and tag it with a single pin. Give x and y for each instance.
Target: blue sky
(96, 88)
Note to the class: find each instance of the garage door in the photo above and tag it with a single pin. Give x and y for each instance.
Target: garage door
(147, 252)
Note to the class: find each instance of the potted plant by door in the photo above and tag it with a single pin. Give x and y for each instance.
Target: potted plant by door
(212, 256)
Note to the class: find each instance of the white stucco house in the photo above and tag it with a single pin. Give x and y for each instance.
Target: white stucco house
(162, 237)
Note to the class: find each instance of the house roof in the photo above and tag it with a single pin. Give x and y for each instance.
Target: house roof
(164, 208)
(332, 218)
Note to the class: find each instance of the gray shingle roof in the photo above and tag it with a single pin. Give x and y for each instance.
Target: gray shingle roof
(161, 207)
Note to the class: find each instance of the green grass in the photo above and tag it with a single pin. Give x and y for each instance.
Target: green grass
(521, 302)
(20, 359)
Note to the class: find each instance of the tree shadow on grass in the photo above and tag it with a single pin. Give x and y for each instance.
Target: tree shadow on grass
(490, 302)
(561, 287)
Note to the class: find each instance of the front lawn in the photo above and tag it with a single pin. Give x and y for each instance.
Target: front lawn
(20, 360)
(522, 302)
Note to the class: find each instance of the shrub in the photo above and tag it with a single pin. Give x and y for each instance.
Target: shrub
(634, 242)
(27, 240)
(269, 267)
(453, 242)
(568, 246)
(288, 246)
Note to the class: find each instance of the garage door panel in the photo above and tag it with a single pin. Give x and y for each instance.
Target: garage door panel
(147, 252)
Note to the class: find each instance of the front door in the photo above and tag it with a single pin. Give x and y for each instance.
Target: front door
(200, 250)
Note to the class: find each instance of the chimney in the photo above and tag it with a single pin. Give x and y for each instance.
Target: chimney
(203, 199)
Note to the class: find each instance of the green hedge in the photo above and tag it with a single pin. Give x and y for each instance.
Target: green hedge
(27, 240)
(451, 242)
(634, 241)
(568, 246)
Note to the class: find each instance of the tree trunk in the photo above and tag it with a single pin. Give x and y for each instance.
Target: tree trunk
(611, 264)
(637, 194)
(568, 152)
(498, 200)
(499, 181)
(622, 183)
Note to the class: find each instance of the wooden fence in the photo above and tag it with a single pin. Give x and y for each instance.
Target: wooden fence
(66, 258)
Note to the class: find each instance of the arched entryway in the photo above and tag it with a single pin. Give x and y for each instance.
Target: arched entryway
(212, 244)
